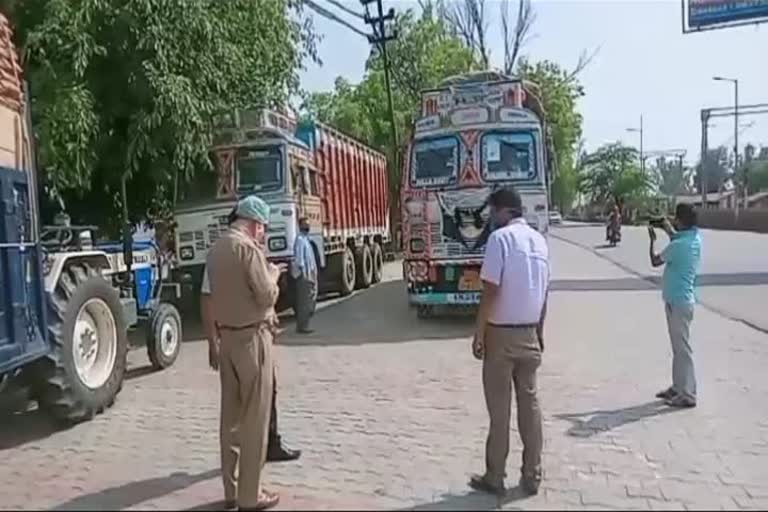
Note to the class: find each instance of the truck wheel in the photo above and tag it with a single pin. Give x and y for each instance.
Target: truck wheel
(424, 311)
(364, 267)
(348, 272)
(84, 371)
(164, 336)
(378, 263)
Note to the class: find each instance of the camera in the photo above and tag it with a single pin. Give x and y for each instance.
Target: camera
(656, 221)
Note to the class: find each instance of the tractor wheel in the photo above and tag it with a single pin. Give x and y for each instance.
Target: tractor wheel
(378, 263)
(164, 336)
(84, 371)
(347, 272)
(364, 270)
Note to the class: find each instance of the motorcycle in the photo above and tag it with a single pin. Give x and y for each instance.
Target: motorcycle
(614, 235)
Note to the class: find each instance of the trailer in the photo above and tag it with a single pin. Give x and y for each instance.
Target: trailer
(302, 169)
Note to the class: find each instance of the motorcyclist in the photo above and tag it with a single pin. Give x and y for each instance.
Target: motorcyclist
(614, 222)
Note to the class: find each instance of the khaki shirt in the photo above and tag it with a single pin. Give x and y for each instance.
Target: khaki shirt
(241, 287)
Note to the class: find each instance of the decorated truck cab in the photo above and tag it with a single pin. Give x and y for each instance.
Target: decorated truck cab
(475, 133)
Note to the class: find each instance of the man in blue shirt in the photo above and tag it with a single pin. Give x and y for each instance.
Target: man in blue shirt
(681, 259)
(304, 271)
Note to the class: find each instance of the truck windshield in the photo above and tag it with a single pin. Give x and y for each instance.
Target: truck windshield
(435, 161)
(259, 169)
(508, 156)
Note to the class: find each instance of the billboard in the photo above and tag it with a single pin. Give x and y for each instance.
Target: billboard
(709, 14)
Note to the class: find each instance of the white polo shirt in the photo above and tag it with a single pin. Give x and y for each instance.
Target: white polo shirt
(517, 261)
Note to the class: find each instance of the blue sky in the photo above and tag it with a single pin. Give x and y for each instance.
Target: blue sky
(645, 66)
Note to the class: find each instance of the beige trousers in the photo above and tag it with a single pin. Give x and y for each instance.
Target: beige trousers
(512, 356)
(246, 372)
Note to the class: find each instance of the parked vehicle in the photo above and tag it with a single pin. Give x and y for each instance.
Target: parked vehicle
(67, 302)
(304, 169)
(475, 132)
(555, 218)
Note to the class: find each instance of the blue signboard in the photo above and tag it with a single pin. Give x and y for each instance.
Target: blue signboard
(710, 13)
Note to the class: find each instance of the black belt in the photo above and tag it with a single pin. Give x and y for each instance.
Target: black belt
(513, 326)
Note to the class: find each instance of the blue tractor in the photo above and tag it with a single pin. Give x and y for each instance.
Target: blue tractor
(66, 302)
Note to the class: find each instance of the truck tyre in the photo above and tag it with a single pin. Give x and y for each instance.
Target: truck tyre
(164, 336)
(347, 272)
(424, 311)
(378, 263)
(84, 371)
(364, 268)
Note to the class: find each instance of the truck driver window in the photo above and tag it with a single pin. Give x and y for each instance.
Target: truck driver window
(508, 156)
(259, 169)
(436, 161)
(313, 185)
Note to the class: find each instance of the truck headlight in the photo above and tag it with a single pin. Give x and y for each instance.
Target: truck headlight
(187, 253)
(417, 245)
(277, 243)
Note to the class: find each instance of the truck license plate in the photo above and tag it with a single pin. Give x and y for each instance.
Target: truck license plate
(464, 298)
(470, 281)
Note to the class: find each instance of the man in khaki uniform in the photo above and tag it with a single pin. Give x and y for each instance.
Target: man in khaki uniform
(244, 290)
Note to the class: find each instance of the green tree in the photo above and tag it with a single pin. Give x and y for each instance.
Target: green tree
(130, 88)
(612, 173)
(559, 91)
(716, 166)
(673, 176)
(757, 175)
(424, 53)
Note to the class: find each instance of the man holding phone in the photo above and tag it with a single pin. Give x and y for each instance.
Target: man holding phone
(681, 259)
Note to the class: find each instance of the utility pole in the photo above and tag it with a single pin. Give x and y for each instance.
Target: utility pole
(735, 82)
(381, 38)
(642, 156)
(704, 156)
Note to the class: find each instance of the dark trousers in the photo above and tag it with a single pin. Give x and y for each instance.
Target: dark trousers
(273, 438)
(306, 295)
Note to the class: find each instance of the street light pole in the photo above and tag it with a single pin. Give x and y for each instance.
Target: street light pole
(642, 159)
(640, 131)
(735, 83)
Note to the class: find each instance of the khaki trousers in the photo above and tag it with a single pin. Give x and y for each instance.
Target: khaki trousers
(246, 372)
(512, 356)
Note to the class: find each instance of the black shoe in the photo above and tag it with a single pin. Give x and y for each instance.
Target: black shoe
(680, 401)
(282, 454)
(530, 486)
(667, 394)
(305, 331)
(230, 505)
(483, 484)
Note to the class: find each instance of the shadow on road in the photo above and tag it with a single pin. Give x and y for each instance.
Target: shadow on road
(590, 285)
(378, 315)
(25, 424)
(474, 500)
(131, 494)
(588, 424)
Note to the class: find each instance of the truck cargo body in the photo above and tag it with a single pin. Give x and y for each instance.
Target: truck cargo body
(309, 170)
(22, 296)
(471, 138)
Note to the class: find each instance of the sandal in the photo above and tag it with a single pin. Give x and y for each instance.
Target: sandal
(266, 501)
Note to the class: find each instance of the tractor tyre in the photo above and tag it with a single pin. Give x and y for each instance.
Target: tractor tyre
(84, 371)
(347, 272)
(164, 336)
(364, 270)
(378, 263)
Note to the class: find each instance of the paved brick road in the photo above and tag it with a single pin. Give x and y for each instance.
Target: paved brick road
(390, 414)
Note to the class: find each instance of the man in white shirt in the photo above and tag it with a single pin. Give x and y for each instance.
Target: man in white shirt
(509, 339)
